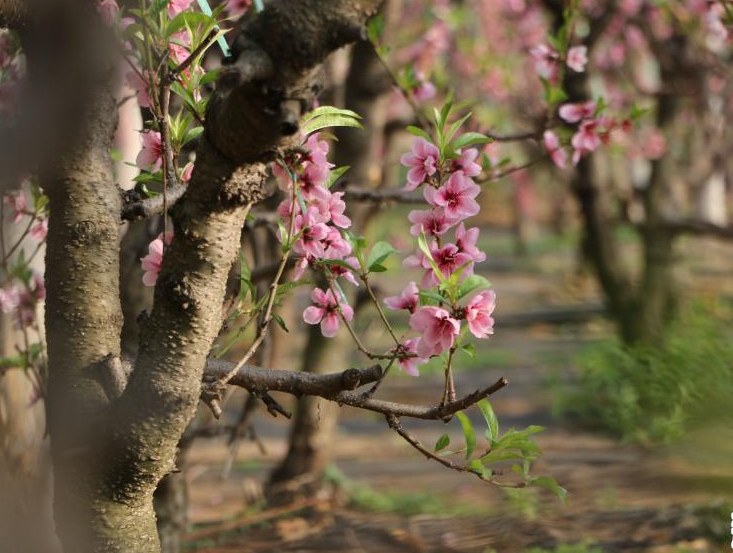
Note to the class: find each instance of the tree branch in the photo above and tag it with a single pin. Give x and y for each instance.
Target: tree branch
(134, 207)
(699, 228)
(296, 383)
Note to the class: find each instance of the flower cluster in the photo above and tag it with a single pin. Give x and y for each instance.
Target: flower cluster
(20, 300)
(593, 130)
(317, 219)
(548, 61)
(446, 178)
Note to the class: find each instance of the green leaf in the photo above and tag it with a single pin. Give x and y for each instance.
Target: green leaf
(417, 131)
(472, 283)
(338, 263)
(470, 138)
(549, 483)
(455, 126)
(377, 268)
(422, 243)
(493, 423)
(379, 252)
(329, 110)
(375, 28)
(498, 455)
(468, 433)
(335, 175)
(478, 467)
(325, 121)
(193, 134)
(442, 443)
(426, 295)
(469, 349)
(279, 320)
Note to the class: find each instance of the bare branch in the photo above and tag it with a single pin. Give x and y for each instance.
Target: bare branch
(428, 412)
(257, 379)
(699, 228)
(135, 208)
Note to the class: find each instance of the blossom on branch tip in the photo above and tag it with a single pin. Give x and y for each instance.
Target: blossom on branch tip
(573, 113)
(19, 204)
(577, 58)
(466, 243)
(326, 312)
(312, 231)
(467, 162)
(437, 329)
(141, 86)
(151, 155)
(422, 161)
(177, 6)
(433, 222)
(153, 262)
(478, 314)
(408, 299)
(557, 153)
(456, 197)
(410, 364)
(108, 10)
(39, 230)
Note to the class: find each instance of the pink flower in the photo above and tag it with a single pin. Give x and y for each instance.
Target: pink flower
(478, 314)
(466, 243)
(467, 163)
(9, 298)
(433, 222)
(318, 151)
(456, 197)
(312, 231)
(586, 140)
(437, 328)
(577, 58)
(187, 172)
(108, 10)
(409, 299)
(151, 155)
(152, 262)
(141, 86)
(449, 259)
(237, 8)
(410, 364)
(333, 209)
(545, 61)
(340, 271)
(557, 153)
(326, 312)
(39, 230)
(572, 113)
(424, 91)
(334, 245)
(423, 162)
(19, 204)
(177, 6)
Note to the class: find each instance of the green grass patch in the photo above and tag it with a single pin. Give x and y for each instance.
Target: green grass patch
(658, 394)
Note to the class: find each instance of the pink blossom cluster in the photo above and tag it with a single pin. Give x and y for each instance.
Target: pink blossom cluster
(548, 61)
(20, 210)
(450, 192)
(318, 220)
(593, 130)
(20, 300)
